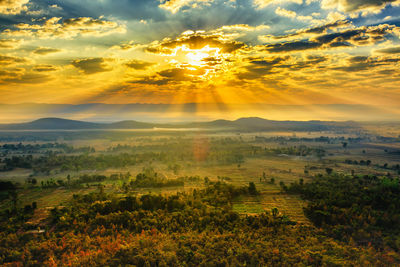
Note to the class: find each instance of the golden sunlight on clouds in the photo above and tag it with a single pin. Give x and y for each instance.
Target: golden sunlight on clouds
(175, 5)
(68, 28)
(12, 7)
(275, 53)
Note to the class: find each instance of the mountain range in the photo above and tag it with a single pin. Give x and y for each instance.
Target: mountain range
(242, 124)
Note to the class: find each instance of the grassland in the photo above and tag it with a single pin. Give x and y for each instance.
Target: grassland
(257, 167)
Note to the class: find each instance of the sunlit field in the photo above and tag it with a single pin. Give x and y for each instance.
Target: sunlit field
(51, 172)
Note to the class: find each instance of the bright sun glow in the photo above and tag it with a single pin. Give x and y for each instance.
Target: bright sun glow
(196, 57)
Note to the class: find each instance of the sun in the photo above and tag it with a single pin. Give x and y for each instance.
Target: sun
(197, 57)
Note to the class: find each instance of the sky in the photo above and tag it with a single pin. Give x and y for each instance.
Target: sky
(208, 52)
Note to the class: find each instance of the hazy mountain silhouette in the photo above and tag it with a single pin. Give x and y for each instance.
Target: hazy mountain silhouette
(242, 124)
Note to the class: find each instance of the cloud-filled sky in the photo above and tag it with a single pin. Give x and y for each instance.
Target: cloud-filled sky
(284, 52)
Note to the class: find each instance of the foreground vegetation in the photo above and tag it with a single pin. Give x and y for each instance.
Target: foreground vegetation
(184, 229)
(362, 209)
(201, 201)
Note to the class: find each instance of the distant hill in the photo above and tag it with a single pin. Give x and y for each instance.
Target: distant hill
(242, 124)
(51, 124)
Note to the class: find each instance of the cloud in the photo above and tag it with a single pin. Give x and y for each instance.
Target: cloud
(46, 50)
(127, 46)
(44, 68)
(175, 5)
(285, 13)
(20, 76)
(350, 6)
(195, 41)
(292, 46)
(361, 36)
(139, 64)
(307, 33)
(11, 60)
(91, 65)
(173, 76)
(13, 7)
(362, 63)
(389, 50)
(29, 78)
(259, 67)
(236, 31)
(11, 73)
(9, 43)
(68, 28)
(260, 4)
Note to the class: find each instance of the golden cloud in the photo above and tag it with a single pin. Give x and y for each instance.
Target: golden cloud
(9, 43)
(46, 50)
(351, 6)
(68, 28)
(285, 13)
(195, 41)
(44, 68)
(11, 60)
(139, 64)
(91, 65)
(175, 5)
(13, 7)
(259, 4)
(361, 36)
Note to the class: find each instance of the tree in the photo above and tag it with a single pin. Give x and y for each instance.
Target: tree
(344, 144)
(275, 212)
(252, 189)
(14, 198)
(329, 171)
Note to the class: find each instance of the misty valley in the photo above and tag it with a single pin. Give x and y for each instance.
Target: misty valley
(216, 194)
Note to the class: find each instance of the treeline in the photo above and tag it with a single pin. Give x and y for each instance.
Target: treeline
(301, 150)
(84, 179)
(44, 164)
(44, 148)
(215, 151)
(147, 178)
(365, 209)
(386, 166)
(185, 229)
(321, 139)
